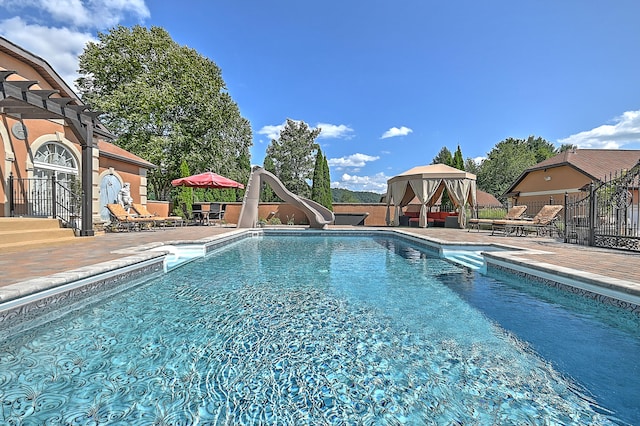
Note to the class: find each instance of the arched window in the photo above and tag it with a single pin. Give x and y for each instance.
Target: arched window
(54, 158)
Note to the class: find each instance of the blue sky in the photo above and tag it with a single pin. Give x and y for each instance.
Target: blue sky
(390, 83)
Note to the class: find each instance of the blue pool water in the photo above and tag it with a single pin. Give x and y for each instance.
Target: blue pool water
(341, 330)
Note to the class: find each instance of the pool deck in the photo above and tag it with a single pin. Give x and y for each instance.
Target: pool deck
(609, 268)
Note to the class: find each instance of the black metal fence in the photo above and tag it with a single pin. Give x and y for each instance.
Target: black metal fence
(45, 197)
(606, 214)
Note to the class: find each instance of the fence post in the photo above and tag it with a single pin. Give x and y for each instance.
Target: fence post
(12, 202)
(566, 216)
(54, 197)
(593, 211)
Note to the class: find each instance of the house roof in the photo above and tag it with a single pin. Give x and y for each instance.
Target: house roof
(110, 150)
(486, 200)
(40, 65)
(596, 164)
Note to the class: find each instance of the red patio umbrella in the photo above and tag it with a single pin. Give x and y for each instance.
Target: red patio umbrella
(207, 180)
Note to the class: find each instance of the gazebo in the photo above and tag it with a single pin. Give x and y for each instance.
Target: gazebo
(427, 183)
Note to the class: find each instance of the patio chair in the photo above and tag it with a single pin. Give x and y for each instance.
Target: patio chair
(158, 220)
(216, 212)
(514, 213)
(542, 223)
(123, 221)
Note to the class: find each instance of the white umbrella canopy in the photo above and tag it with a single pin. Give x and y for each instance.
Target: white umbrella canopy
(427, 183)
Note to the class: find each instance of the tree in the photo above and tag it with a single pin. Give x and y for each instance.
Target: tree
(321, 187)
(328, 197)
(504, 164)
(541, 148)
(443, 157)
(458, 161)
(567, 147)
(184, 198)
(471, 166)
(293, 156)
(165, 103)
(267, 195)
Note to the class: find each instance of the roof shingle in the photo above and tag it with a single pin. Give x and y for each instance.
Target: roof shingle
(596, 163)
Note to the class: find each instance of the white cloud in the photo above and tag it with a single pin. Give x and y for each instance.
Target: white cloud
(394, 131)
(624, 131)
(376, 183)
(354, 160)
(59, 47)
(340, 131)
(327, 130)
(70, 24)
(98, 14)
(272, 132)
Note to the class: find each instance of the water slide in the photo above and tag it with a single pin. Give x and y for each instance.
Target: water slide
(318, 215)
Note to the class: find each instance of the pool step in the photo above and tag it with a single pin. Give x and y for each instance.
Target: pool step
(471, 259)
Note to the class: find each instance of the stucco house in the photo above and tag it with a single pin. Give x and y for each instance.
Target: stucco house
(47, 133)
(568, 172)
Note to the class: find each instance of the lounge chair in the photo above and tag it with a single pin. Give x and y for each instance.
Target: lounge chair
(514, 213)
(121, 220)
(542, 223)
(158, 220)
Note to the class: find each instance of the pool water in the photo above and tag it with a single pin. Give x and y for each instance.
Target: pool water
(319, 330)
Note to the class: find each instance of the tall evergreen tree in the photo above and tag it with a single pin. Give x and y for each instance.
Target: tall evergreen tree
(458, 161)
(321, 187)
(317, 188)
(328, 197)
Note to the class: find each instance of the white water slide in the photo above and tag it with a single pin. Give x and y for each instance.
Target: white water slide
(318, 215)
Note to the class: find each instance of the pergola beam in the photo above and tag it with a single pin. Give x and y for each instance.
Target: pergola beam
(18, 99)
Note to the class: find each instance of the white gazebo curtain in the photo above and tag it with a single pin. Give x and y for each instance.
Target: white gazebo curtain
(424, 189)
(395, 193)
(461, 190)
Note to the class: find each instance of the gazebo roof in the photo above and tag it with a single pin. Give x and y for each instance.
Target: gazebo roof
(433, 171)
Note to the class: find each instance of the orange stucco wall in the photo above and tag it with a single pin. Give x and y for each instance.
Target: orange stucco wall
(540, 186)
(127, 173)
(282, 210)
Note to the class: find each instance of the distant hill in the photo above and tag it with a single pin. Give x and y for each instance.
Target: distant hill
(340, 195)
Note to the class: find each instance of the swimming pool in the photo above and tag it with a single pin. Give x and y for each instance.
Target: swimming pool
(322, 330)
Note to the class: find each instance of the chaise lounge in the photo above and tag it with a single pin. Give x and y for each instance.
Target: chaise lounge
(542, 223)
(514, 213)
(158, 220)
(121, 220)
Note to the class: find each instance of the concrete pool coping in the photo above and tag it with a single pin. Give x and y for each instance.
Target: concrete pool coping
(499, 256)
